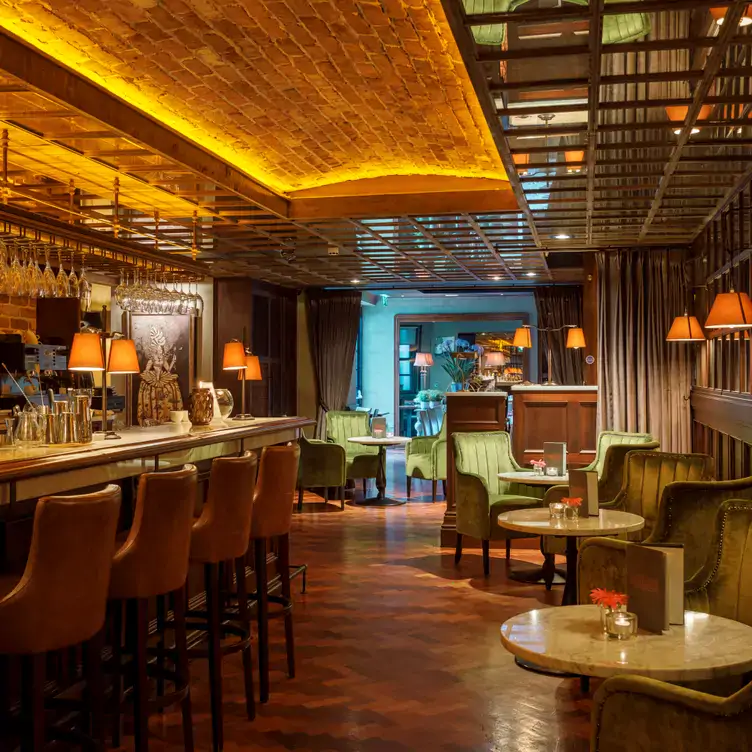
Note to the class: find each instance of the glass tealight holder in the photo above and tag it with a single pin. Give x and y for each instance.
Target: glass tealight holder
(552, 471)
(571, 512)
(621, 625)
(537, 470)
(556, 510)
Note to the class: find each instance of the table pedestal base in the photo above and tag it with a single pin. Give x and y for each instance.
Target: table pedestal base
(379, 501)
(528, 666)
(537, 577)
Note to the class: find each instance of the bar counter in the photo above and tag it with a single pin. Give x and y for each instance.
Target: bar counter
(34, 472)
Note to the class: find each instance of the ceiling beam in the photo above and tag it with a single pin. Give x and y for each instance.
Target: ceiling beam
(595, 41)
(487, 242)
(455, 14)
(712, 64)
(428, 235)
(67, 88)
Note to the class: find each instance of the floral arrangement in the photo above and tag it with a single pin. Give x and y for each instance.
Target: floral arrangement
(572, 501)
(457, 345)
(608, 598)
(539, 464)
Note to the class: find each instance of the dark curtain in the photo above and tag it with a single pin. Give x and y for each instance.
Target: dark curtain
(557, 307)
(333, 320)
(643, 381)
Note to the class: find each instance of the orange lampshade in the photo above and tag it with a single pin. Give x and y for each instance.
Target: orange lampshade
(423, 359)
(86, 353)
(234, 356)
(720, 13)
(522, 337)
(575, 338)
(495, 359)
(685, 328)
(123, 357)
(678, 113)
(730, 310)
(574, 156)
(252, 369)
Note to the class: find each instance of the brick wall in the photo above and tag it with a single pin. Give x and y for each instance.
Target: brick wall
(17, 314)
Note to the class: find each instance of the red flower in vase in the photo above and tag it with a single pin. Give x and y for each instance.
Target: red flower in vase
(573, 501)
(608, 598)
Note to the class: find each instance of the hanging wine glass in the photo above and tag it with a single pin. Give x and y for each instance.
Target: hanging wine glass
(49, 285)
(73, 289)
(37, 280)
(63, 288)
(3, 269)
(84, 287)
(15, 277)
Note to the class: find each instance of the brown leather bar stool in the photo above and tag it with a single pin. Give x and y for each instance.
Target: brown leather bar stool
(153, 562)
(60, 602)
(220, 538)
(272, 516)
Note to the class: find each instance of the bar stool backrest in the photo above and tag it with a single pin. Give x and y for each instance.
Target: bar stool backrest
(222, 531)
(154, 558)
(62, 596)
(275, 488)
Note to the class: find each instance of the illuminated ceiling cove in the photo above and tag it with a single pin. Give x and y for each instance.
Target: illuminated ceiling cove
(297, 94)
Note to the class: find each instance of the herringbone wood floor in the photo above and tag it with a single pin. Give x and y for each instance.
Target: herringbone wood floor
(397, 651)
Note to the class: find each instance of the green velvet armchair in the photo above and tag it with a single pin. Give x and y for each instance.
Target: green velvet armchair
(480, 497)
(426, 458)
(635, 714)
(361, 461)
(322, 465)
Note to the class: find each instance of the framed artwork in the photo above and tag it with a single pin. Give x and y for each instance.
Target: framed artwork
(166, 348)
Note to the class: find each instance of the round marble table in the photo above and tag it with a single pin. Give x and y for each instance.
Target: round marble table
(571, 640)
(539, 522)
(380, 500)
(530, 478)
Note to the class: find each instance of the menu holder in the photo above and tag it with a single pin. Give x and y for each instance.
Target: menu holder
(555, 455)
(583, 484)
(655, 585)
(378, 428)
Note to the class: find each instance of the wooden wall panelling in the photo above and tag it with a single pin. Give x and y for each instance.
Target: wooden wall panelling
(269, 316)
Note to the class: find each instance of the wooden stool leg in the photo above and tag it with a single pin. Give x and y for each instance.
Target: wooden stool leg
(182, 667)
(458, 549)
(443, 488)
(245, 617)
(211, 577)
(32, 702)
(326, 494)
(486, 557)
(161, 618)
(433, 491)
(342, 497)
(283, 562)
(262, 616)
(116, 640)
(365, 481)
(509, 548)
(408, 485)
(300, 499)
(95, 689)
(139, 625)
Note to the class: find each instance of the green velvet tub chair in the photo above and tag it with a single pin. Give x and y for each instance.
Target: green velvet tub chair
(322, 465)
(426, 459)
(635, 714)
(480, 497)
(360, 461)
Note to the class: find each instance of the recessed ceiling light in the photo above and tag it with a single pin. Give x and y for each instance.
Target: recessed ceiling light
(496, 278)
(451, 294)
(562, 236)
(677, 131)
(530, 274)
(355, 281)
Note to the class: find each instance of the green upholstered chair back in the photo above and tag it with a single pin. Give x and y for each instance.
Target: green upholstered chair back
(608, 438)
(342, 425)
(646, 476)
(688, 512)
(724, 586)
(485, 455)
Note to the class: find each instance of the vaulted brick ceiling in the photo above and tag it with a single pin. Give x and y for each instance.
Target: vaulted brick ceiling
(297, 93)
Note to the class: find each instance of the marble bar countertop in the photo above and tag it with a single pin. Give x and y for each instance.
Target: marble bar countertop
(557, 388)
(477, 394)
(21, 462)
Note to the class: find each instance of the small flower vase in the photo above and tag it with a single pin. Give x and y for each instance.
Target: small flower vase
(537, 470)
(605, 611)
(571, 512)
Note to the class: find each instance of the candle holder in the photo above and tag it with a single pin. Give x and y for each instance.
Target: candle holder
(556, 510)
(621, 625)
(552, 471)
